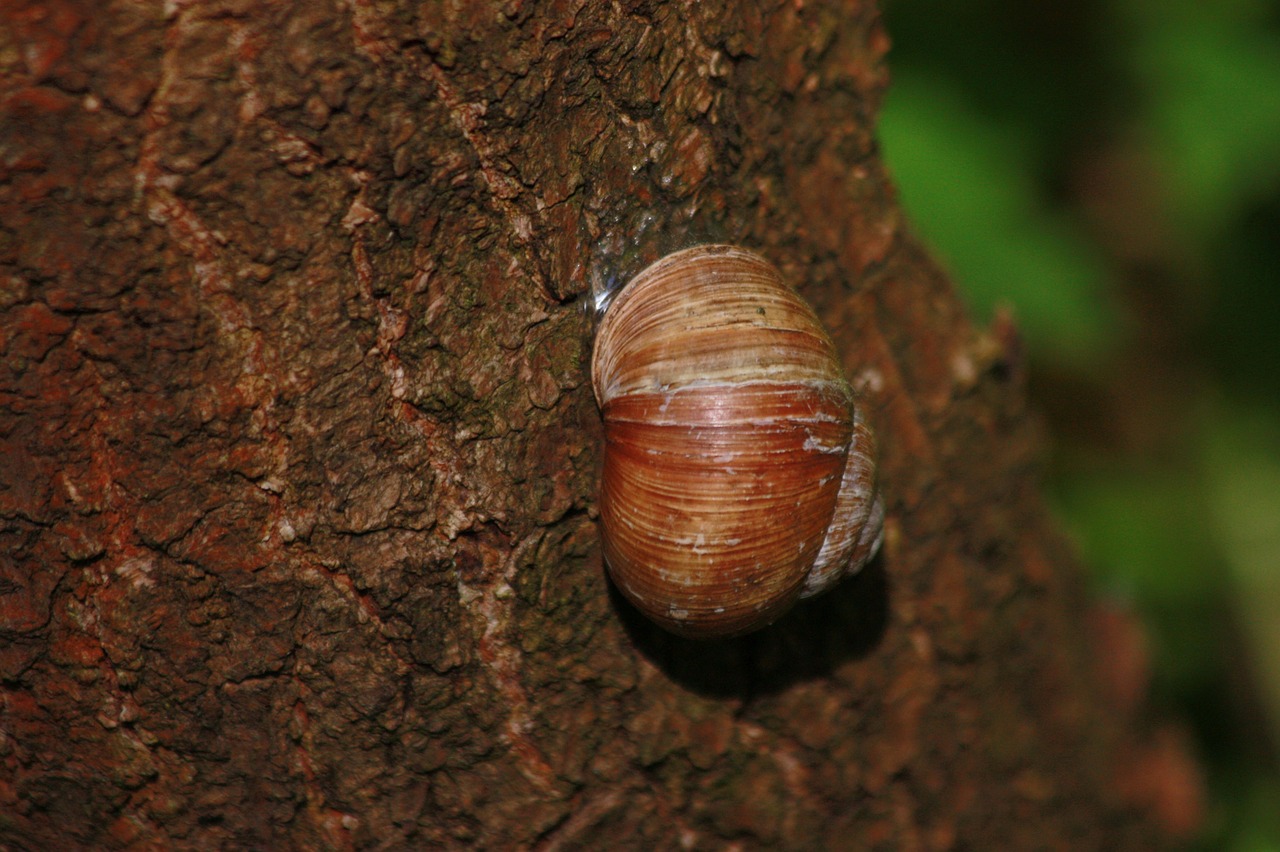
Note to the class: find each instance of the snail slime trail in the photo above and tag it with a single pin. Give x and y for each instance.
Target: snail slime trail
(739, 474)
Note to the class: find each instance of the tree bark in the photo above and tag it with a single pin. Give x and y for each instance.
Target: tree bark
(297, 534)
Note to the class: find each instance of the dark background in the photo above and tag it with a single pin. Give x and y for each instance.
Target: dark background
(1109, 174)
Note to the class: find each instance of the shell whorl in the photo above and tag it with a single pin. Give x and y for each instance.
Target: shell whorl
(738, 474)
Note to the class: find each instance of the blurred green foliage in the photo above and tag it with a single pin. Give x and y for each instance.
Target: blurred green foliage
(1210, 106)
(971, 177)
(1111, 172)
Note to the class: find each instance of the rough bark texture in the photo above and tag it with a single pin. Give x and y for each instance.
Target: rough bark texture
(297, 542)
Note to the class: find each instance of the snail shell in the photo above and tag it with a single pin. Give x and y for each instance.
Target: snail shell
(739, 475)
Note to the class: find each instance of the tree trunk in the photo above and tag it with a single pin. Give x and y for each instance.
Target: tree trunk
(298, 545)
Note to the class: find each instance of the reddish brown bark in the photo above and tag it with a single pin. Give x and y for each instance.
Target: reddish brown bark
(297, 538)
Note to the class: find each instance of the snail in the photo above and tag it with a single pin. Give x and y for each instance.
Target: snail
(739, 472)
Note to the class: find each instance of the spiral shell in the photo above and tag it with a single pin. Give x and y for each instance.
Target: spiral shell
(739, 476)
